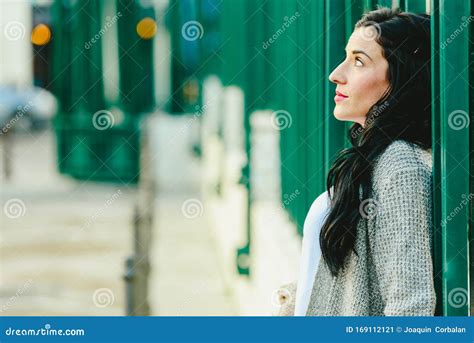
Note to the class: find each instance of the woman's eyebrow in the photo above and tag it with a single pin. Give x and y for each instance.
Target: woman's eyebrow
(361, 52)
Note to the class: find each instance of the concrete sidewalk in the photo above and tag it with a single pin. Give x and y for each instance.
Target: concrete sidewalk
(64, 242)
(187, 277)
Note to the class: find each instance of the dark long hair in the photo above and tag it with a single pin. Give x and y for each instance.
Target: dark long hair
(403, 112)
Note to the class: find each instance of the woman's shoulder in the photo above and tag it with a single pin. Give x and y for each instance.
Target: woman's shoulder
(401, 156)
(317, 212)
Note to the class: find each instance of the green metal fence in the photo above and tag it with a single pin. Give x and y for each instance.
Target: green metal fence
(452, 152)
(286, 70)
(97, 137)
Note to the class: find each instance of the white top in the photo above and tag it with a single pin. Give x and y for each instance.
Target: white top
(311, 252)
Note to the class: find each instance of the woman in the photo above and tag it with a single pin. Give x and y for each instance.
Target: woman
(373, 225)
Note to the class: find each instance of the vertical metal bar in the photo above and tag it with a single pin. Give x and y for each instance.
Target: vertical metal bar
(471, 157)
(334, 44)
(454, 153)
(384, 3)
(209, 12)
(353, 12)
(278, 56)
(304, 63)
(437, 251)
(234, 49)
(316, 80)
(290, 143)
(415, 6)
(369, 5)
(271, 51)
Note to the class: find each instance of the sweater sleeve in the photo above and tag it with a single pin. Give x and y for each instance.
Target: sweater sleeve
(402, 247)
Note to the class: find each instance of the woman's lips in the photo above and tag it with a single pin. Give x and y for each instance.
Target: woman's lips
(340, 97)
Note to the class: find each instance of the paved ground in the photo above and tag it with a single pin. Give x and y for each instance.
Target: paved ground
(64, 242)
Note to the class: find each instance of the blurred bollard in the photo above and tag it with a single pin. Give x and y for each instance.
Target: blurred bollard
(138, 265)
(6, 153)
(129, 277)
(265, 158)
(211, 140)
(236, 164)
(273, 235)
(236, 167)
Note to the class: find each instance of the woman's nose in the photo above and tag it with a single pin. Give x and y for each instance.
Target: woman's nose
(336, 76)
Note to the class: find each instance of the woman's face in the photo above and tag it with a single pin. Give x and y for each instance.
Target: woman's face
(361, 78)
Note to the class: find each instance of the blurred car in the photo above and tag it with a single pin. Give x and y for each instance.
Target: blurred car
(29, 108)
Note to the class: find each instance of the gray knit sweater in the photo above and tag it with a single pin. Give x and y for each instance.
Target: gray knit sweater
(393, 274)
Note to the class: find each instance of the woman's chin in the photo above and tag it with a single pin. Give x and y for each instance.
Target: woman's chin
(340, 115)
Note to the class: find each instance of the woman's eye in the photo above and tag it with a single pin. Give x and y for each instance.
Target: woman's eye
(358, 62)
